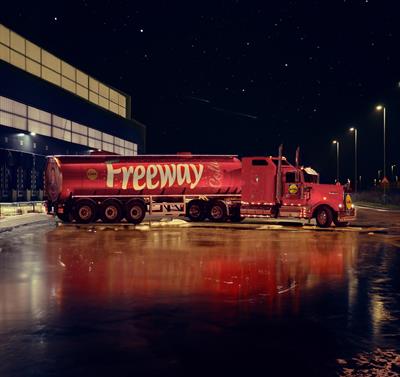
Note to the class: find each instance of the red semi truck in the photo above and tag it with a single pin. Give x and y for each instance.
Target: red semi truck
(218, 188)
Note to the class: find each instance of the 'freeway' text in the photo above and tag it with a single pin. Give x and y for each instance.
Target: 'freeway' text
(150, 177)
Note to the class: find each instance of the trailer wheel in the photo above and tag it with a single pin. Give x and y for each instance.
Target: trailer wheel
(85, 211)
(217, 211)
(324, 216)
(111, 211)
(196, 210)
(135, 211)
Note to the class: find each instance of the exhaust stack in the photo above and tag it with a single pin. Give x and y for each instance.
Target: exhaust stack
(279, 176)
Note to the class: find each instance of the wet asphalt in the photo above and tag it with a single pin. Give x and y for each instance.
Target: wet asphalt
(179, 301)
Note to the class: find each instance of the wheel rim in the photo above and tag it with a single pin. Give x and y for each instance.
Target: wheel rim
(85, 212)
(216, 212)
(322, 217)
(111, 212)
(194, 211)
(136, 212)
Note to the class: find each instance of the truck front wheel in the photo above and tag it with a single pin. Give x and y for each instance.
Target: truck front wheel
(324, 217)
(195, 210)
(135, 211)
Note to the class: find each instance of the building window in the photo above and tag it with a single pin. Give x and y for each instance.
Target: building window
(21, 143)
(17, 115)
(46, 147)
(6, 139)
(34, 145)
(26, 55)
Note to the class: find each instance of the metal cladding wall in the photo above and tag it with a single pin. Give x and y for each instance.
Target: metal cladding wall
(143, 175)
(28, 89)
(22, 156)
(21, 176)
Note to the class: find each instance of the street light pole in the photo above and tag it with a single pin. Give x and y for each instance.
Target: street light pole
(379, 108)
(337, 159)
(353, 129)
(384, 179)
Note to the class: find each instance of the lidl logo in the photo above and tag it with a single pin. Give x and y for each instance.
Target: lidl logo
(293, 189)
(91, 174)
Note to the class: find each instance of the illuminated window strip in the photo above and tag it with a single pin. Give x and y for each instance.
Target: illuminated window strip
(16, 115)
(52, 69)
(45, 74)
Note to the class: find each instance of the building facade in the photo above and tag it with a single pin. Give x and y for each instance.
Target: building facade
(49, 107)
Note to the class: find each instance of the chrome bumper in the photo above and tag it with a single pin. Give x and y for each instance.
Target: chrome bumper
(348, 215)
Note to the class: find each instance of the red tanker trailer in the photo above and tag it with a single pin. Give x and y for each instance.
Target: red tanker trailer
(220, 188)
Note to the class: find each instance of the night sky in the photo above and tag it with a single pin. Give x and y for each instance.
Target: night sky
(239, 77)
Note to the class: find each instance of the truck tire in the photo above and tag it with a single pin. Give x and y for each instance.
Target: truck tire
(217, 211)
(339, 224)
(85, 211)
(235, 216)
(196, 210)
(323, 216)
(65, 217)
(135, 211)
(111, 211)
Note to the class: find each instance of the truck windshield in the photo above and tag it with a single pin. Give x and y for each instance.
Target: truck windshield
(310, 178)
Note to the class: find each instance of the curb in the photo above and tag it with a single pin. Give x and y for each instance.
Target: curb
(10, 228)
(382, 209)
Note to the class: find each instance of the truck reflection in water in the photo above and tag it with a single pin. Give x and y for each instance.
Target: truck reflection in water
(198, 264)
(170, 301)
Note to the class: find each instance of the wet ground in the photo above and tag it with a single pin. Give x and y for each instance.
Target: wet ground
(179, 301)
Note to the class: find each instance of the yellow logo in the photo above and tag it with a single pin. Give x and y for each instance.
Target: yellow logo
(293, 189)
(91, 174)
(348, 201)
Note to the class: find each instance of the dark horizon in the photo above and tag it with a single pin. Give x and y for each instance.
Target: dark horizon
(235, 78)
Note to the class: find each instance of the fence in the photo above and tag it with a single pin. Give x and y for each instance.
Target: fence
(20, 208)
(378, 195)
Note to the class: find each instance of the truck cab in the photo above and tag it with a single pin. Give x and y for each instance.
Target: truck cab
(272, 187)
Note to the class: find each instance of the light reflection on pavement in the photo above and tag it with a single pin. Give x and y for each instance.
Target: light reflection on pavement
(178, 301)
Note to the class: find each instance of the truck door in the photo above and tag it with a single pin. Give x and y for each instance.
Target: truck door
(258, 176)
(292, 188)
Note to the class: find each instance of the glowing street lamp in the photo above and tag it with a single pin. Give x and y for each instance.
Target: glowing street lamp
(353, 129)
(392, 168)
(337, 159)
(383, 108)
